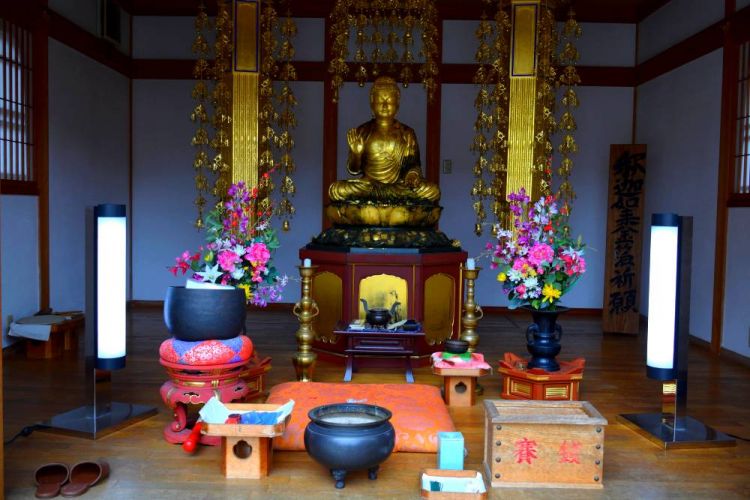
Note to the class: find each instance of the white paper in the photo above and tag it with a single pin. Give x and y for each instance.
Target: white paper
(206, 285)
(215, 412)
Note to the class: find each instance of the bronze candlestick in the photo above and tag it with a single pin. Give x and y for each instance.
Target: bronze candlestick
(305, 310)
(472, 312)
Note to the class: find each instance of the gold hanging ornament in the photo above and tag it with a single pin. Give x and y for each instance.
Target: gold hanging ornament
(275, 112)
(517, 78)
(384, 33)
(199, 115)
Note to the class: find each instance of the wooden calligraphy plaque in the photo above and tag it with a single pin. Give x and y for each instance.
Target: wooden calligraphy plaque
(622, 276)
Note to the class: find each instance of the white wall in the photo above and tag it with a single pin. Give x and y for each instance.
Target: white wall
(308, 156)
(88, 160)
(741, 4)
(601, 44)
(736, 334)
(19, 253)
(163, 187)
(678, 117)
(674, 22)
(162, 37)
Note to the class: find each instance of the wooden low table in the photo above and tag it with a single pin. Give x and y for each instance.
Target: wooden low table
(248, 449)
(459, 384)
(378, 343)
(63, 336)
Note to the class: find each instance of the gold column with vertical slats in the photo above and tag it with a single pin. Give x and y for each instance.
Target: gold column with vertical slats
(245, 73)
(522, 104)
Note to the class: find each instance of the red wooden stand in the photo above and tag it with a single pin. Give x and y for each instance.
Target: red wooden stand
(194, 385)
(434, 288)
(520, 383)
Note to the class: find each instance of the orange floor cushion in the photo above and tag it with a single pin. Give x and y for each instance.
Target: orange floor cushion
(419, 412)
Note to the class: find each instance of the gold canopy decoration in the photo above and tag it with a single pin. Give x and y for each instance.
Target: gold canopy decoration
(517, 78)
(384, 34)
(252, 118)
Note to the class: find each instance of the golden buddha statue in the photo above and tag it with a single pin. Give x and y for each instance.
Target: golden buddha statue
(385, 153)
(390, 204)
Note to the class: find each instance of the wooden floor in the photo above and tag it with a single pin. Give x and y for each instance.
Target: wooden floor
(144, 466)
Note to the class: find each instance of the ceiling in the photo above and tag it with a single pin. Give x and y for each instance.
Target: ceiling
(615, 11)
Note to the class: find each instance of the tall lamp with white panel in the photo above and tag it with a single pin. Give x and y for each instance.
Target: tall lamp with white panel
(106, 328)
(667, 345)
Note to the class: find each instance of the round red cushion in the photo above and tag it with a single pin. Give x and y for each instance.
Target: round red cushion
(207, 352)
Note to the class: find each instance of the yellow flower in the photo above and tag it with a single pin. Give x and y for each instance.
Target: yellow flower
(502, 277)
(246, 288)
(550, 293)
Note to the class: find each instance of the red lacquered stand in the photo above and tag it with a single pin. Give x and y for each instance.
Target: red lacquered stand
(195, 385)
(522, 383)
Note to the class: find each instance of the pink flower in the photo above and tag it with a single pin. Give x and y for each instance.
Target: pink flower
(540, 253)
(227, 260)
(520, 289)
(258, 254)
(518, 264)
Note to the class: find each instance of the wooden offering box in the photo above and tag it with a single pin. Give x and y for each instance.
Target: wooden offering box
(247, 448)
(555, 444)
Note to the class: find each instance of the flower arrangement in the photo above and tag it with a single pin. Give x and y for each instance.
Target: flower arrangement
(238, 253)
(538, 261)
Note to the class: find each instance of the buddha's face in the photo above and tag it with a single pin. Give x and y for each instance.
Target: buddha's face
(384, 103)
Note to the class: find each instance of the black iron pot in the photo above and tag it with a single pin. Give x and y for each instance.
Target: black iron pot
(195, 314)
(456, 346)
(543, 338)
(350, 436)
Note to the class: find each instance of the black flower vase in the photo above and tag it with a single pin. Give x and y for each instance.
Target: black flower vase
(543, 338)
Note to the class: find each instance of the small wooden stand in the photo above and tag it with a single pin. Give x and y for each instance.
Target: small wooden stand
(535, 383)
(247, 448)
(63, 336)
(459, 384)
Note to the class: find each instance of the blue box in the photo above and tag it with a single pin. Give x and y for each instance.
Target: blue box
(451, 450)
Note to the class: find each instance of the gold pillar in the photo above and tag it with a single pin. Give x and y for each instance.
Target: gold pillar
(523, 90)
(245, 77)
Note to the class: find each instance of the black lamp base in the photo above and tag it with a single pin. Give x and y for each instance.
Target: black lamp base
(686, 433)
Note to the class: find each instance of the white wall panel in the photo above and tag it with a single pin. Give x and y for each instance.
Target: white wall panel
(674, 22)
(171, 37)
(88, 160)
(163, 37)
(163, 186)
(308, 156)
(19, 259)
(678, 117)
(602, 44)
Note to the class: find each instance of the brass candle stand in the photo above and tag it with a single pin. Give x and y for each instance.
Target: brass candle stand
(472, 312)
(306, 310)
